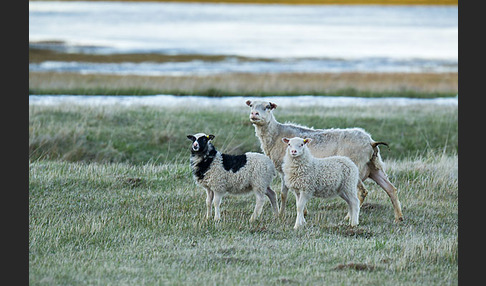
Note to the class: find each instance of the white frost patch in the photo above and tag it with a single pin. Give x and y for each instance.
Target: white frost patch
(234, 101)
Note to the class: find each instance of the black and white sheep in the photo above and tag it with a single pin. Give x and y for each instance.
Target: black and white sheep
(221, 174)
(308, 176)
(354, 143)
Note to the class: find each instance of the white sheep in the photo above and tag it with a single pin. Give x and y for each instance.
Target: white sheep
(221, 174)
(308, 176)
(354, 143)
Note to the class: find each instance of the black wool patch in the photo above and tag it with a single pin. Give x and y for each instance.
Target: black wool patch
(202, 167)
(233, 162)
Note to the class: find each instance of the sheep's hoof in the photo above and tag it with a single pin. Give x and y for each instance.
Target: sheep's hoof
(399, 219)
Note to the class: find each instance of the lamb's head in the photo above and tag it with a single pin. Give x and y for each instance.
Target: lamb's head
(200, 142)
(296, 145)
(261, 111)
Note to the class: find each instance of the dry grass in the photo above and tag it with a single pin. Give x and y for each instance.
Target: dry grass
(298, 83)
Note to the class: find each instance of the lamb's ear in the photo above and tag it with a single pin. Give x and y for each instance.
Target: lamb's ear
(248, 102)
(285, 140)
(307, 140)
(191, 137)
(272, 106)
(210, 136)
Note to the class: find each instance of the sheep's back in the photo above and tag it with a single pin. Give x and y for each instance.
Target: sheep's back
(323, 177)
(354, 143)
(238, 177)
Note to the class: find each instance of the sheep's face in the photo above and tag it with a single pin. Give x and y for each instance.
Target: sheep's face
(200, 142)
(261, 111)
(296, 145)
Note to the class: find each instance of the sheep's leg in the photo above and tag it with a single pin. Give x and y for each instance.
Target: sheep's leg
(283, 197)
(300, 203)
(381, 179)
(260, 200)
(353, 206)
(209, 201)
(217, 203)
(273, 200)
(352, 200)
(362, 192)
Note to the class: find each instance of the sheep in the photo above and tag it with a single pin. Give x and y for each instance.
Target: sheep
(221, 174)
(354, 143)
(307, 176)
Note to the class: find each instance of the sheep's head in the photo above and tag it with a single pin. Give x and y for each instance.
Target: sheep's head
(296, 145)
(200, 142)
(261, 111)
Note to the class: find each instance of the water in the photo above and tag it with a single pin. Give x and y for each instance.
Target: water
(170, 101)
(294, 38)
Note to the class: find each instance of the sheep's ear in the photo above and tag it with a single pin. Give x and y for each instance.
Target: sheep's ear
(307, 140)
(272, 106)
(191, 137)
(285, 140)
(210, 136)
(248, 102)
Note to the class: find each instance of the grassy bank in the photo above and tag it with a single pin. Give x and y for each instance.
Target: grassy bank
(335, 84)
(152, 134)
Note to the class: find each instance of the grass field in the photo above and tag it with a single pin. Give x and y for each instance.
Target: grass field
(112, 202)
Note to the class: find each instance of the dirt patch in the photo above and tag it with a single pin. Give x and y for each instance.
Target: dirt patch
(355, 266)
(372, 206)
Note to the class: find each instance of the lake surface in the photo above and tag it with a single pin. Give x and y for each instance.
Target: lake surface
(168, 101)
(327, 38)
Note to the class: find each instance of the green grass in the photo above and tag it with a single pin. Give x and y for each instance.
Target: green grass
(112, 202)
(211, 92)
(153, 134)
(114, 223)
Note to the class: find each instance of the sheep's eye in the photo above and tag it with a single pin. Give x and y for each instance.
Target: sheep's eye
(251, 105)
(301, 145)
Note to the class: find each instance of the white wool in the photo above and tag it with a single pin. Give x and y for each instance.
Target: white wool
(354, 143)
(255, 176)
(306, 175)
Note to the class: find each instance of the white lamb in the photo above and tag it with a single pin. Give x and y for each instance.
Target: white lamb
(221, 174)
(354, 143)
(308, 176)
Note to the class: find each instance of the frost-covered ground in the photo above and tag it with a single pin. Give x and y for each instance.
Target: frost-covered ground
(224, 102)
(329, 38)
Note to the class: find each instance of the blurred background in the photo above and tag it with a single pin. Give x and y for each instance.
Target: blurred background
(218, 48)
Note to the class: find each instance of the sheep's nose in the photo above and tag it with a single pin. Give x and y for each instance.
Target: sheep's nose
(293, 151)
(254, 113)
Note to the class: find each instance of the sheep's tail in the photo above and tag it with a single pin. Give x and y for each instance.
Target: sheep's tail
(374, 144)
(375, 159)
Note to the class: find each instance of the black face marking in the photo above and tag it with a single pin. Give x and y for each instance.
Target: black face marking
(202, 144)
(233, 162)
(205, 151)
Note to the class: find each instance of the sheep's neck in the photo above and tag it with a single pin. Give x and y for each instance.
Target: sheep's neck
(268, 134)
